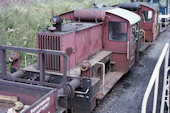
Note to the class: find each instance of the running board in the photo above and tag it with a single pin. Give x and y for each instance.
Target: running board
(144, 46)
(110, 80)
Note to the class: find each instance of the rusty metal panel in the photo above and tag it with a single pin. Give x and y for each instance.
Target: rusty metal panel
(88, 42)
(83, 45)
(27, 94)
(95, 39)
(46, 104)
(68, 41)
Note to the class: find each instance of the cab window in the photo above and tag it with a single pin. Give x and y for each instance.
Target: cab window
(117, 31)
(135, 33)
(147, 16)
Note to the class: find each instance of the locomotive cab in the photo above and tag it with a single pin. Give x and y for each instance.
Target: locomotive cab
(149, 22)
(121, 38)
(149, 18)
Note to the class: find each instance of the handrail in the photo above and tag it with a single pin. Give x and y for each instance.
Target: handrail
(31, 54)
(155, 79)
(41, 53)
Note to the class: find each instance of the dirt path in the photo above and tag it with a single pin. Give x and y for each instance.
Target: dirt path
(127, 95)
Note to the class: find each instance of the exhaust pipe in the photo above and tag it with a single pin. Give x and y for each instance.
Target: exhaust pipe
(17, 74)
(71, 86)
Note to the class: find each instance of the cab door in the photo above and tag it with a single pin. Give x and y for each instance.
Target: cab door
(119, 43)
(147, 24)
(131, 45)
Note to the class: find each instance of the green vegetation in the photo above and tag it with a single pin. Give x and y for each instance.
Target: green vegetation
(19, 23)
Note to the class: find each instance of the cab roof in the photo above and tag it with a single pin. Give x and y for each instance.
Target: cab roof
(138, 5)
(131, 17)
(149, 5)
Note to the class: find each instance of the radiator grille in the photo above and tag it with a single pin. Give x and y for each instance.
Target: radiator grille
(52, 62)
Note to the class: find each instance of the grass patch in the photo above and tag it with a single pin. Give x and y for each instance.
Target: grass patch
(20, 23)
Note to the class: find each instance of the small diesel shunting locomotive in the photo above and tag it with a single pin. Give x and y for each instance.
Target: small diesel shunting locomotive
(83, 54)
(101, 47)
(149, 17)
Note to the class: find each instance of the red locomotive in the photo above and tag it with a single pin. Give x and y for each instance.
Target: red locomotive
(101, 48)
(86, 52)
(149, 17)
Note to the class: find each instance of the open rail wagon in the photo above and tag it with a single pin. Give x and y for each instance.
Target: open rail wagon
(23, 98)
(83, 54)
